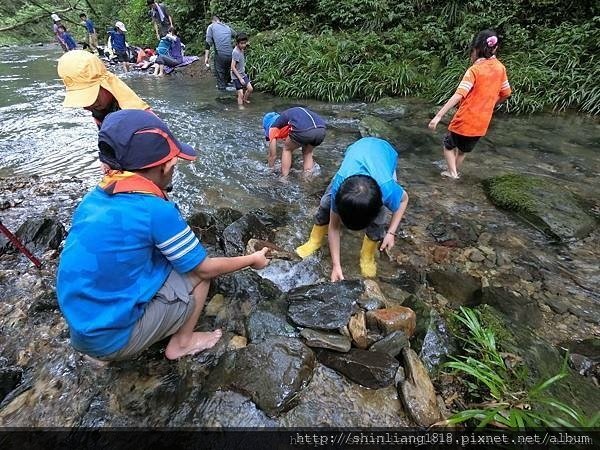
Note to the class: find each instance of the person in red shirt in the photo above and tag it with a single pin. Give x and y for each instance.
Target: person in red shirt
(484, 85)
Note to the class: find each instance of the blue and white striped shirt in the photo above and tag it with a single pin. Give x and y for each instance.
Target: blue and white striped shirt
(119, 252)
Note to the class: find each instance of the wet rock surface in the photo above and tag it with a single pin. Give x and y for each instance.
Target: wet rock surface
(324, 306)
(453, 231)
(272, 373)
(392, 344)
(257, 224)
(549, 206)
(459, 288)
(331, 341)
(418, 394)
(370, 369)
(521, 309)
(274, 252)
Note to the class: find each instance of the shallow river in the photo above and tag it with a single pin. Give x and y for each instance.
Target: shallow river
(38, 136)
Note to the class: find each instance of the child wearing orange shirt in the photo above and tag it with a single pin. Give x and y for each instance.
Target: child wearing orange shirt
(483, 86)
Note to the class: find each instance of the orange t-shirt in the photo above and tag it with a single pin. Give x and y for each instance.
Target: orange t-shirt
(484, 83)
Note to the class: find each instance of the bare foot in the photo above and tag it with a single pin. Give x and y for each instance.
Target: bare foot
(95, 362)
(201, 340)
(246, 101)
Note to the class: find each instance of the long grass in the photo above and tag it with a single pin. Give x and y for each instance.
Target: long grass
(504, 402)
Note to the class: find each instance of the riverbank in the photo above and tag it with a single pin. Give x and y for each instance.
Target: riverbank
(437, 266)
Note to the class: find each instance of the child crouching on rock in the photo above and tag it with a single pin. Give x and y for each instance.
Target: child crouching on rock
(361, 195)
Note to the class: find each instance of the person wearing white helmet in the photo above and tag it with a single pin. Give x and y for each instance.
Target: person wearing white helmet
(57, 36)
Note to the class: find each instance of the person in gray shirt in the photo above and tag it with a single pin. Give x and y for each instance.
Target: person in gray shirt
(219, 36)
(238, 70)
(160, 17)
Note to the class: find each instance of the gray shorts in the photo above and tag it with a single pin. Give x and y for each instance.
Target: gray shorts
(375, 231)
(164, 315)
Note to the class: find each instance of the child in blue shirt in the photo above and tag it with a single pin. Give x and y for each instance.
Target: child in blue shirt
(361, 195)
(118, 43)
(67, 38)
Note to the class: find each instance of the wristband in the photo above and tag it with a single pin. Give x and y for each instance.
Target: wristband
(393, 234)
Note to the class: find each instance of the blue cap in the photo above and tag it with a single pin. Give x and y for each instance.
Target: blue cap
(268, 120)
(133, 139)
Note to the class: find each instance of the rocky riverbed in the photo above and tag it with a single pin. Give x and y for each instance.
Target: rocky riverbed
(356, 353)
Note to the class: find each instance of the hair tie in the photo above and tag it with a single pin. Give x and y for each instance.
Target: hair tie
(492, 41)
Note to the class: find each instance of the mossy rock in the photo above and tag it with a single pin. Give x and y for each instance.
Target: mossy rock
(544, 204)
(377, 127)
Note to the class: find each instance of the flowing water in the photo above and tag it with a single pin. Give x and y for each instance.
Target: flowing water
(40, 137)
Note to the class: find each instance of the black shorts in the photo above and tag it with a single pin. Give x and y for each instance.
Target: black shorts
(464, 143)
(238, 85)
(314, 136)
(122, 56)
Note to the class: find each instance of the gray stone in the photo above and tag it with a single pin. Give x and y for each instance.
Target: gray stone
(372, 298)
(257, 224)
(377, 127)
(459, 288)
(324, 306)
(208, 223)
(453, 231)
(331, 341)
(264, 323)
(37, 234)
(476, 256)
(392, 344)
(370, 369)
(520, 309)
(418, 394)
(437, 344)
(272, 373)
(388, 108)
(558, 304)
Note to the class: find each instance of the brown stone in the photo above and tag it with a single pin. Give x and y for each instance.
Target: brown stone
(358, 330)
(440, 254)
(214, 306)
(417, 392)
(237, 342)
(389, 320)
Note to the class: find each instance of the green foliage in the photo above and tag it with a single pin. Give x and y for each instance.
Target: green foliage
(504, 400)
(334, 67)
(140, 30)
(366, 49)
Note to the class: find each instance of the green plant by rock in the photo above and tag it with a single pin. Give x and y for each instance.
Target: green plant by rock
(496, 380)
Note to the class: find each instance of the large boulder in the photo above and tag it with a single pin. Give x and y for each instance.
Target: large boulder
(272, 373)
(324, 306)
(377, 127)
(547, 205)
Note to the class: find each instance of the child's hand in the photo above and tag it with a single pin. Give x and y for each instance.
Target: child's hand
(434, 123)
(388, 242)
(260, 259)
(336, 274)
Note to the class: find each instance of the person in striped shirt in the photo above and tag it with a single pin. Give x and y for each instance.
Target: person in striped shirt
(132, 272)
(484, 85)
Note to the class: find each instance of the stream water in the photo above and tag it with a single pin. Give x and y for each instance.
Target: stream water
(40, 137)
